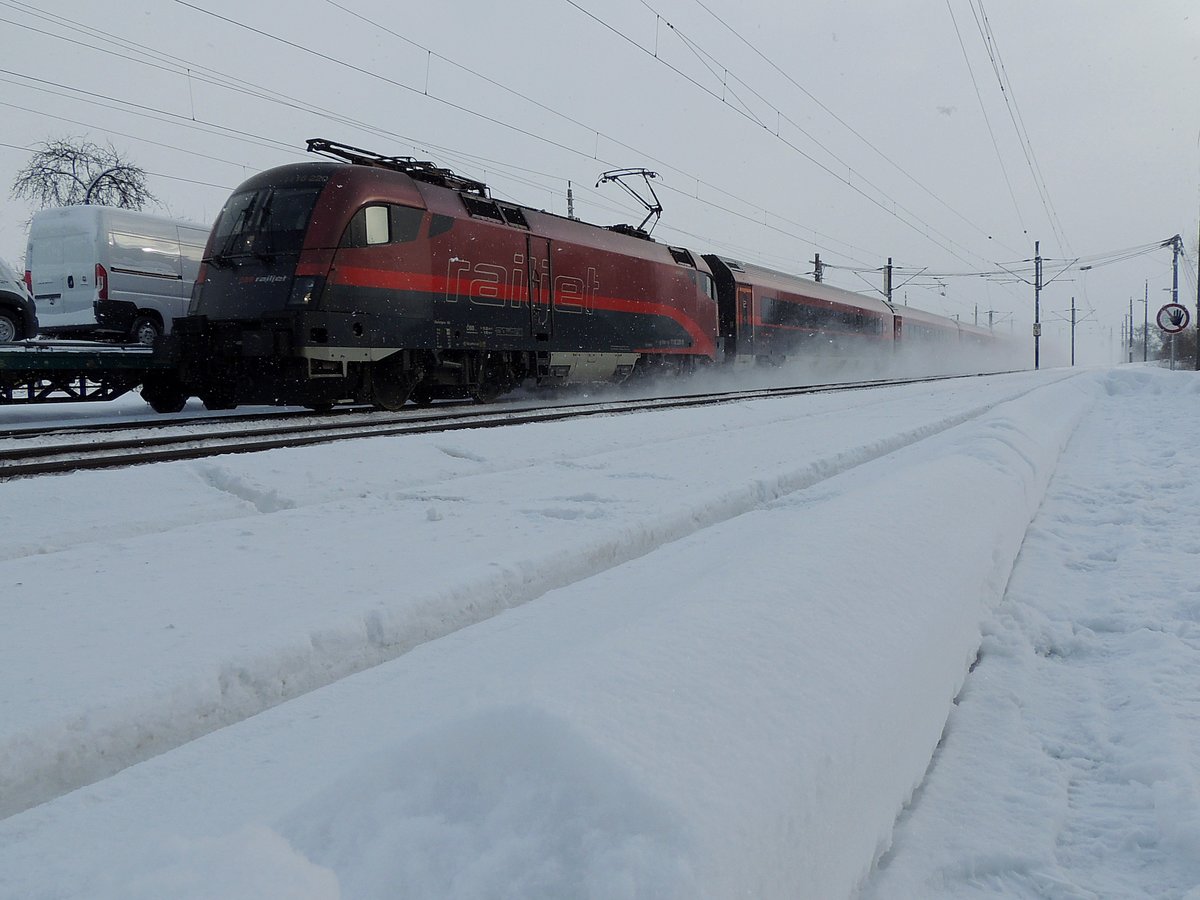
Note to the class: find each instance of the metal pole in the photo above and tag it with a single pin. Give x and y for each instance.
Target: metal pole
(1037, 305)
(1176, 246)
(1146, 325)
(1131, 329)
(1072, 331)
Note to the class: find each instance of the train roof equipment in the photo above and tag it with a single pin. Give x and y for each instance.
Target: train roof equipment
(653, 206)
(420, 170)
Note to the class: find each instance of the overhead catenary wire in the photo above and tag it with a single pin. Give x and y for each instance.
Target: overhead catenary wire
(1023, 270)
(261, 140)
(542, 175)
(210, 76)
(833, 114)
(909, 219)
(1010, 101)
(987, 119)
(225, 82)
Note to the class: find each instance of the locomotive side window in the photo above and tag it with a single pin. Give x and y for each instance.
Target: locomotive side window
(405, 222)
(356, 231)
(791, 314)
(377, 230)
(382, 224)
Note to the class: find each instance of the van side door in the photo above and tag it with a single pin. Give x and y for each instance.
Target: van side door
(63, 274)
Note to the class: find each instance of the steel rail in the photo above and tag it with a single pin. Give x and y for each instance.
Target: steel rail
(192, 443)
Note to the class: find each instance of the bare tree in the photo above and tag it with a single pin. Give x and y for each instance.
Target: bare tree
(68, 171)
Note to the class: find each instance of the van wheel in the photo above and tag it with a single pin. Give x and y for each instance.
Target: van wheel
(144, 330)
(9, 329)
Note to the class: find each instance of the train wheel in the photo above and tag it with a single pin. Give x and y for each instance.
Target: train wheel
(496, 378)
(390, 384)
(164, 393)
(488, 391)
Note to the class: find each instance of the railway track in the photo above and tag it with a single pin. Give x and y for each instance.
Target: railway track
(73, 448)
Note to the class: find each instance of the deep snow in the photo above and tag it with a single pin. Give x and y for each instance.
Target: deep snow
(706, 653)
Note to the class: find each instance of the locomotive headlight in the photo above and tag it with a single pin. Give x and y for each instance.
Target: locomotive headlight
(304, 292)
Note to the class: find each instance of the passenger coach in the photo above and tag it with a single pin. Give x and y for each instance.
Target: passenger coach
(769, 317)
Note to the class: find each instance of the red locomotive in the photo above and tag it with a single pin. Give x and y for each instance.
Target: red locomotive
(383, 280)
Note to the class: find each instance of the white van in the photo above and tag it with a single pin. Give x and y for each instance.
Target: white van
(97, 271)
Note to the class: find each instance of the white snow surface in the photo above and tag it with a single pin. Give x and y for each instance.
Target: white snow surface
(935, 641)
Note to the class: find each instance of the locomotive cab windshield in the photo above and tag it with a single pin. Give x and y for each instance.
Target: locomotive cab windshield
(264, 222)
(253, 250)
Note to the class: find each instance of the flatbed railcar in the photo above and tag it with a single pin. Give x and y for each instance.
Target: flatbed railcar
(68, 372)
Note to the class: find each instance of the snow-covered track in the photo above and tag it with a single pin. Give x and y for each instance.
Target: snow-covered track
(76, 448)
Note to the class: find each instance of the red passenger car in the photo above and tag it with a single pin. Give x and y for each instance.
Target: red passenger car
(770, 317)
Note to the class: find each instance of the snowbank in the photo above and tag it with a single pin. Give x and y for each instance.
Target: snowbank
(742, 711)
(150, 606)
(1069, 766)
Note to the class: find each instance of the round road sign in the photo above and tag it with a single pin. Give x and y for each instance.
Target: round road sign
(1173, 318)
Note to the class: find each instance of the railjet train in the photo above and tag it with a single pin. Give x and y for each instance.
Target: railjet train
(385, 280)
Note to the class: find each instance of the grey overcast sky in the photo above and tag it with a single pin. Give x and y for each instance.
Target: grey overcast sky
(949, 135)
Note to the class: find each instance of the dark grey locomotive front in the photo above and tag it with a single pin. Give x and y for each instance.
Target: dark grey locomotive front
(251, 299)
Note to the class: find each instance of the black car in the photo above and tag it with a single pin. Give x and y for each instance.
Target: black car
(18, 320)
